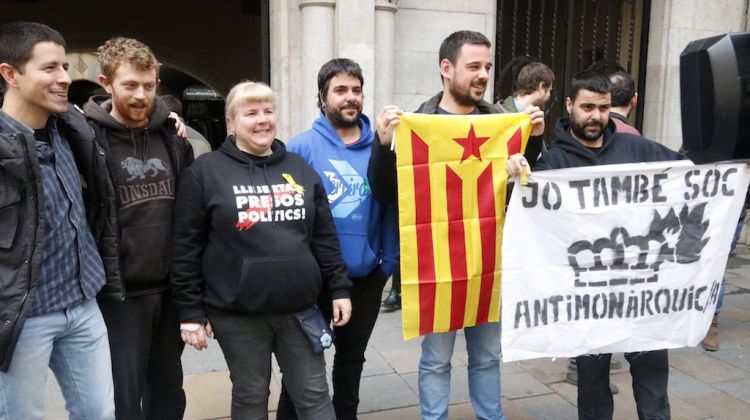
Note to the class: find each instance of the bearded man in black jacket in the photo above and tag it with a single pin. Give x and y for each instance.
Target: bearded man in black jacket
(588, 138)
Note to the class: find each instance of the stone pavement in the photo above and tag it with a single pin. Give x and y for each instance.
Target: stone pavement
(702, 385)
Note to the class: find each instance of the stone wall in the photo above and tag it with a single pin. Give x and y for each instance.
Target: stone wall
(395, 41)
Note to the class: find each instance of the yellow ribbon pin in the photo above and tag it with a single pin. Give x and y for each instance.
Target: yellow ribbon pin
(296, 186)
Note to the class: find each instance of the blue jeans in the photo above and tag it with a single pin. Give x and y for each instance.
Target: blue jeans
(483, 346)
(73, 343)
(735, 240)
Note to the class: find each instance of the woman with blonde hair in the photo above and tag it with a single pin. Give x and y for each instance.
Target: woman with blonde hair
(254, 242)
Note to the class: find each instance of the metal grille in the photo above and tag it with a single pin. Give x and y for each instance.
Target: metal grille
(570, 36)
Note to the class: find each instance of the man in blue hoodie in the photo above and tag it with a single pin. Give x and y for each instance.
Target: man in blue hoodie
(338, 147)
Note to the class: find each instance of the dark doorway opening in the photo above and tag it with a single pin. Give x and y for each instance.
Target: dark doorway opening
(570, 36)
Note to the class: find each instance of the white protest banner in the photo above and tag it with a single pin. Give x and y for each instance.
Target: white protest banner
(616, 258)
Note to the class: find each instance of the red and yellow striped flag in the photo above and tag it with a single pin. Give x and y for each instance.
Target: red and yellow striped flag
(451, 196)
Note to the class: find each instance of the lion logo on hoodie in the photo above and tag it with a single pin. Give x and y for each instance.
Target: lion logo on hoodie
(138, 169)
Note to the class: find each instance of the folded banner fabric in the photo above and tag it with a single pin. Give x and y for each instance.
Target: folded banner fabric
(451, 196)
(618, 258)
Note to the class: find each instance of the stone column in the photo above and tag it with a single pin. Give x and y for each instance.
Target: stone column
(385, 11)
(355, 28)
(318, 40)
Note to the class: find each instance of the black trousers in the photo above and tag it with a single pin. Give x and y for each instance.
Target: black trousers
(396, 280)
(351, 341)
(650, 372)
(145, 344)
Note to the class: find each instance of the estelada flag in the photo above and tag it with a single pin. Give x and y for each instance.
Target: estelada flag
(451, 195)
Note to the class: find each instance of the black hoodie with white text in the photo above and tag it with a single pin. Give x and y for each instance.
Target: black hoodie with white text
(253, 235)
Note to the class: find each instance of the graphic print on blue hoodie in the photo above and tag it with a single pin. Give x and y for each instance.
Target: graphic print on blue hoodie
(366, 229)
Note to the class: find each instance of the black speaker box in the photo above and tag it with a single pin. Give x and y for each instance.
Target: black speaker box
(715, 98)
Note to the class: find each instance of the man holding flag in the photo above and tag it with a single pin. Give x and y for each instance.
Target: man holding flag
(465, 63)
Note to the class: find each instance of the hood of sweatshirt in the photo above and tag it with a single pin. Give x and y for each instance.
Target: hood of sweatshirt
(98, 108)
(323, 127)
(566, 141)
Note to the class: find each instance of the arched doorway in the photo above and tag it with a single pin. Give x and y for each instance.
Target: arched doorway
(201, 107)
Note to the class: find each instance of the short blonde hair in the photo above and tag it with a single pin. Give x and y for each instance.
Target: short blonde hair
(121, 50)
(245, 92)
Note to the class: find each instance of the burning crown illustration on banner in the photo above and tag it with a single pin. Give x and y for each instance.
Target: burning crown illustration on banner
(622, 259)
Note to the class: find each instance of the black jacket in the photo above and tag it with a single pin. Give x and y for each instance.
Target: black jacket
(567, 152)
(238, 250)
(22, 223)
(381, 172)
(104, 220)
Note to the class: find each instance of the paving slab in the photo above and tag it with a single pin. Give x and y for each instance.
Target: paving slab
(545, 370)
(685, 386)
(522, 385)
(375, 363)
(685, 410)
(210, 359)
(722, 407)
(567, 391)
(385, 392)
(550, 406)
(209, 395)
(404, 360)
(708, 369)
(738, 356)
(737, 389)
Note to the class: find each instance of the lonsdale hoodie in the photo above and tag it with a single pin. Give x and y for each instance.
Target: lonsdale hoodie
(143, 167)
(367, 230)
(253, 235)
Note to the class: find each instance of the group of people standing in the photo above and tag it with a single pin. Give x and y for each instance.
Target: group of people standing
(117, 249)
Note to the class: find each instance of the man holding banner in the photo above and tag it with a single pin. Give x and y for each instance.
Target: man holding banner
(588, 138)
(465, 63)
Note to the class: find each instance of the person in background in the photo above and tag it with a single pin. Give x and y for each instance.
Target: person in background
(197, 141)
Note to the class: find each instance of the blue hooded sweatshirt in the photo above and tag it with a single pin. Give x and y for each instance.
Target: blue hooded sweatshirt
(367, 230)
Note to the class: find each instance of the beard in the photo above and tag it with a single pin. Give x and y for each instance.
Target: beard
(463, 96)
(133, 111)
(337, 118)
(579, 130)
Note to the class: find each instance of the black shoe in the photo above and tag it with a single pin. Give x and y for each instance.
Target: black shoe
(392, 302)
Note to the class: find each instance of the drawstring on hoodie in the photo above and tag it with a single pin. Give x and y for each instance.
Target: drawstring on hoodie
(251, 164)
(268, 183)
(144, 151)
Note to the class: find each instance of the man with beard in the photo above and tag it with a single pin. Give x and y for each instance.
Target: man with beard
(338, 147)
(145, 158)
(465, 64)
(588, 137)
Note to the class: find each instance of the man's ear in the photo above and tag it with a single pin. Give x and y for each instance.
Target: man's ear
(634, 101)
(105, 82)
(446, 69)
(9, 73)
(568, 104)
